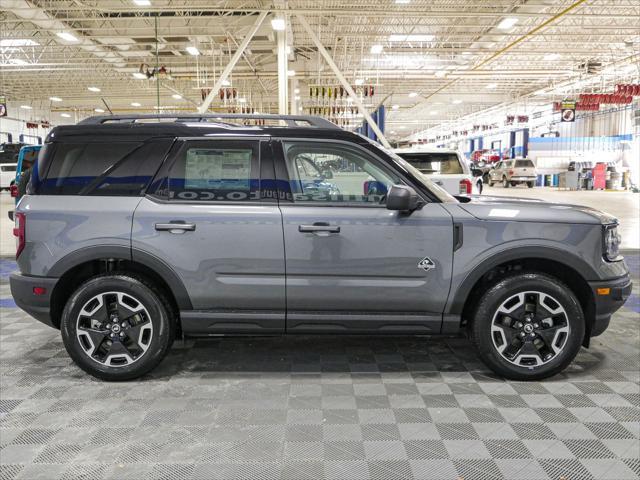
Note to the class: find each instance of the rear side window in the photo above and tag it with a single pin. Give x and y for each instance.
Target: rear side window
(434, 162)
(110, 169)
(222, 171)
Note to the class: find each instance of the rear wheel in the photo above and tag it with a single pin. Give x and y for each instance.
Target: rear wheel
(117, 327)
(528, 326)
(530, 184)
(505, 182)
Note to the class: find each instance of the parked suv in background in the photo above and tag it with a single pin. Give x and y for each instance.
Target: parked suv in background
(513, 172)
(133, 232)
(446, 168)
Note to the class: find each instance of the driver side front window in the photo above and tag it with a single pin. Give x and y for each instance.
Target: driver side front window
(333, 173)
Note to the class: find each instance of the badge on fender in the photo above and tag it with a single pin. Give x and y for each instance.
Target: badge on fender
(426, 264)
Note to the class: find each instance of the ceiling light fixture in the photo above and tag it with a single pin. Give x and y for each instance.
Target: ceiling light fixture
(93, 89)
(55, 99)
(412, 38)
(226, 83)
(242, 100)
(395, 107)
(98, 110)
(297, 97)
(67, 36)
(139, 75)
(296, 91)
(507, 23)
(433, 112)
(18, 42)
(457, 102)
(413, 95)
(26, 107)
(18, 61)
(65, 115)
(376, 49)
(177, 96)
(403, 2)
(142, 3)
(359, 81)
(191, 50)
(552, 56)
(278, 24)
(440, 73)
(491, 86)
(136, 104)
(291, 73)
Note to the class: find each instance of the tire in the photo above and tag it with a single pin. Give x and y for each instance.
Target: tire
(140, 315)
(513, 184)
(530, 184)
(505, 183)
(517, 360)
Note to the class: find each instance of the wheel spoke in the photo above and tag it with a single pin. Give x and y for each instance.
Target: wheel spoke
(550, 335)
(137, 335)
(95, 336)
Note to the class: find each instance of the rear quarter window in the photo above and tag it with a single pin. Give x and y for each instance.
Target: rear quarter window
(439, 163)
(109, 169)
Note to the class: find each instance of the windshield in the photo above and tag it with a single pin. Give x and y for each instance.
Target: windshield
(438, 191)
(441, 163)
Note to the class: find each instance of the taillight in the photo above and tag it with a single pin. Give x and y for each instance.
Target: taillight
(465, 186)
(14, 190)
(18, 231)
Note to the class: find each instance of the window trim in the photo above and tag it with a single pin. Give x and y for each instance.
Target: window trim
(282, 169)
(180, 144)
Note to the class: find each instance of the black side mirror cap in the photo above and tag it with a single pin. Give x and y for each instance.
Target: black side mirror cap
(402, 198)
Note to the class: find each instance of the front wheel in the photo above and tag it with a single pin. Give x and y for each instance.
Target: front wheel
(505, 182)
(117, 327)
(530, 184)
(528, 326)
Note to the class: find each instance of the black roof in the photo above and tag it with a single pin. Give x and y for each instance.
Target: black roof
(130, 126)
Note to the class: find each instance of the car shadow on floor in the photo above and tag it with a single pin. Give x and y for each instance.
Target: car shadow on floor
(365, 356)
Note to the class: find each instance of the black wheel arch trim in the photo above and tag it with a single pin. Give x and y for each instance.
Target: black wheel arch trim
(457, 302)
(123, 252)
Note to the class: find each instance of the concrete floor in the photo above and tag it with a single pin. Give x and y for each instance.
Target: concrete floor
(623, 205)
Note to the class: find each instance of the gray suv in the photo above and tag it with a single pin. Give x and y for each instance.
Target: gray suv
(136, 230)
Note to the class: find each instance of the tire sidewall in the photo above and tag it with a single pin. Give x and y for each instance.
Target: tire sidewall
(508, 287)
(128, 285)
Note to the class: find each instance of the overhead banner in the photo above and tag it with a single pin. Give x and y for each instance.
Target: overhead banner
(568, 111)
(3, 106)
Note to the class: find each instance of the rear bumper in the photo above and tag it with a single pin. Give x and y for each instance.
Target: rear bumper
(523, 179)
(38, 306)
(607, 304)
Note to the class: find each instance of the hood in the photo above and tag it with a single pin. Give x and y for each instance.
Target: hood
(485, 207)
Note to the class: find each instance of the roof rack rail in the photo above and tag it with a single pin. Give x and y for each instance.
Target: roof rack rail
(289, 120)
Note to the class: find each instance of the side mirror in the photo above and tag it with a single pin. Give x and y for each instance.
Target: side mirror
(327, 174)
(402, 198)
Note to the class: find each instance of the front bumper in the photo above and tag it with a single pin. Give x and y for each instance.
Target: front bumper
(608, 303)
(38, 306)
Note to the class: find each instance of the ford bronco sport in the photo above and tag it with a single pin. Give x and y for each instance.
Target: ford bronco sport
(138, 229)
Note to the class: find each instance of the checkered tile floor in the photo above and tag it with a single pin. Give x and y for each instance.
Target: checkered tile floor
(317, 407)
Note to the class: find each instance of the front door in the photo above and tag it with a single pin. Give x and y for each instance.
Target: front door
(352, 265)
(210, 221)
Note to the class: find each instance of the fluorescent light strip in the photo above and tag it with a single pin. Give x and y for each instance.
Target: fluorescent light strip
(278, 24)
(507, 23)
(18, 42)
(67, 36)
(191, 50)
(412, 38)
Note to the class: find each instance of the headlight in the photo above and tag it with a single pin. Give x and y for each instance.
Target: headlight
(611, 243)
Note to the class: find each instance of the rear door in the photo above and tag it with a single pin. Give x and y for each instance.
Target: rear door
(352, 265)
(211, 219)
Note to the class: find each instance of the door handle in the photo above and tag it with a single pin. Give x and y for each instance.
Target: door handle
(177, 226)
(319, 227)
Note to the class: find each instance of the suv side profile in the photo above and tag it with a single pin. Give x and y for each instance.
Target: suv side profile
(134, 232)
